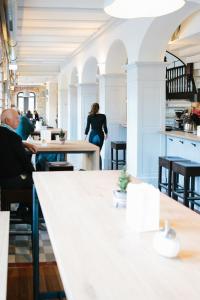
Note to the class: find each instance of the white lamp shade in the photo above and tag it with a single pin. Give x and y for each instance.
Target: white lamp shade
(141, 8)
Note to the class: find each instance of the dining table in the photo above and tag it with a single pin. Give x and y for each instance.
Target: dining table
(4, 239)
(98, 255)
(90, 159)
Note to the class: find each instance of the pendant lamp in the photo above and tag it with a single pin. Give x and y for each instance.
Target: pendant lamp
(127, 9)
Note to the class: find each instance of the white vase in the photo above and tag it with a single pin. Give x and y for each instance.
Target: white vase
(119, 198)
(166, 243)
(62, 140)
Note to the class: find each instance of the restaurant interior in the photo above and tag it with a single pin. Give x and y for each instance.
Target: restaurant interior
(99, 149)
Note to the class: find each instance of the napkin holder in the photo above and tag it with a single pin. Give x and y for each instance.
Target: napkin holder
(143, 207)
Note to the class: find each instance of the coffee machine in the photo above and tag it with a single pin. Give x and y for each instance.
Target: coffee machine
(178, 124)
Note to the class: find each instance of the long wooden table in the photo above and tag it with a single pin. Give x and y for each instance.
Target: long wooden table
(91, 157)
(99, 257)
(4, 238)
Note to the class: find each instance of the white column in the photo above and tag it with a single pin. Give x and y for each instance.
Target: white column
(52, 103)
(145, 118)
(62, 108)
(87, 94)
(112, 95)
(72, 112)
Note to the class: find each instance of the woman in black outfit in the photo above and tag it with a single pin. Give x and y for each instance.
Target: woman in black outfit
(98, 125)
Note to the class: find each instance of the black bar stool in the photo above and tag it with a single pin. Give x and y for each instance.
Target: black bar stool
(118, 145)
(189, 170)
(58, 166)
(166, 162)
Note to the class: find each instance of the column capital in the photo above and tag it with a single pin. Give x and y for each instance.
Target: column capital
(145, 64)
(102, 67)
(87, 84)
(146, 71)
(112, 75)
(71, 86)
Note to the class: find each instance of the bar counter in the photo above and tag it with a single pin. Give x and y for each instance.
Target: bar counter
(182, 135)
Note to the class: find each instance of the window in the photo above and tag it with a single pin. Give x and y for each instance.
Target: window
(26, 101)
(31, 102)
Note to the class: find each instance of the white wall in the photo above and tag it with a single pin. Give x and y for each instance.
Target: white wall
(52, 103)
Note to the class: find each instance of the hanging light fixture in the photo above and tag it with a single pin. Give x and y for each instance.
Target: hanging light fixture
(141, 8)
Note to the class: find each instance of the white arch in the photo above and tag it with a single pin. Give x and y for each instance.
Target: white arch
(90, 71)
(116, 58)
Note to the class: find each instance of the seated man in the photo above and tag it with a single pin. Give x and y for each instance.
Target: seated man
(25, 127)
(15, 165)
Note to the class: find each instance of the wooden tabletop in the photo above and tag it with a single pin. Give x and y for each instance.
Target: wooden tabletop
(68, 146)
(4, 237)
(99, 257)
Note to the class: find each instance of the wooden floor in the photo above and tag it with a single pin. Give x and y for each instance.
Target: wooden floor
(20, 280)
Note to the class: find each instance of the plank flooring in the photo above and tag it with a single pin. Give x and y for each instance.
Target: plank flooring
(20, 280)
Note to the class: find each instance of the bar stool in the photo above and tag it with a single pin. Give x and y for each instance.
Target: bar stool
(166, 162)
(189, 170)
(58, 166)
(118, 145)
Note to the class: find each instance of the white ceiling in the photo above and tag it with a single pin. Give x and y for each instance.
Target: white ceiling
(188, 49)
(50, 31)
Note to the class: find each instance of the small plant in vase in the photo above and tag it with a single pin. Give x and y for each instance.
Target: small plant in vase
(120, 195)
(62, 136)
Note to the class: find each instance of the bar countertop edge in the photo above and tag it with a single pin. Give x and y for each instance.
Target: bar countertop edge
(182, 135)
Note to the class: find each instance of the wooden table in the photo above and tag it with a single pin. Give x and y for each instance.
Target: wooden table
(99, 257)
(91, 158)
(4, 238)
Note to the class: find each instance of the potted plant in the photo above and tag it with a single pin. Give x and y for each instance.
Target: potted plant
(62, 136)
(120, 194)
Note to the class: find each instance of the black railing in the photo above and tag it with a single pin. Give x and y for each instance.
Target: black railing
(179, 84)
(180, 81)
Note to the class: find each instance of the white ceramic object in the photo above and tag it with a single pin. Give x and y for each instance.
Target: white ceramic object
(166, 243)
(119, 199)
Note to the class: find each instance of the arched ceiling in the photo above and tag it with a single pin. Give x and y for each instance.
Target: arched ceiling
(185, 42)
(50, 32)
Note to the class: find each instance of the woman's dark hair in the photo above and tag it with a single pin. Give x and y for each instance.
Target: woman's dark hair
(94, 109)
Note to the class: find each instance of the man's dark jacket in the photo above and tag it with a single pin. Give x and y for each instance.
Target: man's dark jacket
(14, 160)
